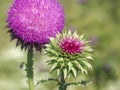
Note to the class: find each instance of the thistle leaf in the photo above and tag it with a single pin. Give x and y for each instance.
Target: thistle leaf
(70, 65)
(79, 66)
(51, 61)
(81, 37)
(88, 49)
(87, 64)
(89, 57)
(58, 72)
(83, 83)
(54, 67)
(85, 71)
(74, 72)
(65, 72)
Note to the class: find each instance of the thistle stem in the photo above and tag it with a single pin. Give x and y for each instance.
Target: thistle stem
(29, 69)
(62, 83)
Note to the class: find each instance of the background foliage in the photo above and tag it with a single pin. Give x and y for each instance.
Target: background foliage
(98, 19)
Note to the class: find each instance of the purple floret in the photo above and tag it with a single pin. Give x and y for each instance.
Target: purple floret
(34, 21)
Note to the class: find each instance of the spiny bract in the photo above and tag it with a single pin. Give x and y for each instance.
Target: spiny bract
(69, 53)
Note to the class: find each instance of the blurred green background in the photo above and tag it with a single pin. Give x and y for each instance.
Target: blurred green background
(98, 19)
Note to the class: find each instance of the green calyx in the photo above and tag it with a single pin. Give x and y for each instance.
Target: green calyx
(69, 64)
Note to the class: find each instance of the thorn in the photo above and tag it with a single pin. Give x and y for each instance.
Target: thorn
(72, 29)
(9, 31)
(7, 26)
(12, 37)
(29, 47)
(38, 47)
(22, 45)
(19, 41)
(26, 46)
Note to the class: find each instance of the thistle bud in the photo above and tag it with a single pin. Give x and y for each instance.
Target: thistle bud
(69, 53)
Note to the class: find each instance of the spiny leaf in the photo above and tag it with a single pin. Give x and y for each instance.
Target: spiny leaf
(74, 71)
(79, 66)
(81, 83)
(88, 49)
(47, 45)
(70, 65)
(53, 52)
(54, 67)
(81, 37)
(60, 60)
(75, 34)
(58, 72)
(87, 64)
(65, 72)
(51, 61)
(85, 71)
(84, 82)
(89, 57)
(46, 80)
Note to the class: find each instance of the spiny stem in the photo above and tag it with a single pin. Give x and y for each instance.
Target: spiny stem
(29, 69)
(62, 84)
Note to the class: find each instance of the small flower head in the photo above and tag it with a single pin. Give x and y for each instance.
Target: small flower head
(32, 22)
(71, 45)
(69, 53)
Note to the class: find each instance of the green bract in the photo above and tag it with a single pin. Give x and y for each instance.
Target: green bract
(67, 63)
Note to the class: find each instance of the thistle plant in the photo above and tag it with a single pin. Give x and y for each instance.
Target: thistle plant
(32, 22)
(69, 54)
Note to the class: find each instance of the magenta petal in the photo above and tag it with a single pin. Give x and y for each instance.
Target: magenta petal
(71, 45)
(34, 21)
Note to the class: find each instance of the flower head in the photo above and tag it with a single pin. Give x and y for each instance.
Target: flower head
(71, 45)
(69, 53)
(32, 22)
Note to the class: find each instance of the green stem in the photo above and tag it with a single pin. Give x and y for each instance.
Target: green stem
(62, 84)
(29, 69)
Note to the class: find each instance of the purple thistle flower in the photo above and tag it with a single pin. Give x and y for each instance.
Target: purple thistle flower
(71, 45)
(32, 22)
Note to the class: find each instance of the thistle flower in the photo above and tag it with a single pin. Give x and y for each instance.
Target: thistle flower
(71, 45)
(69, 53)
(32, 22)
